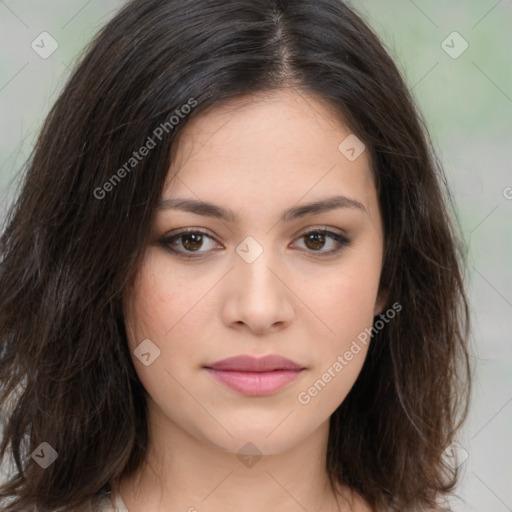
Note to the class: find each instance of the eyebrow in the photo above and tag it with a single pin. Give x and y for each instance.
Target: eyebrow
(212, 210)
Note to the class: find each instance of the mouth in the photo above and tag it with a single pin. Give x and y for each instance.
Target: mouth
(255, 383)
(255, 376)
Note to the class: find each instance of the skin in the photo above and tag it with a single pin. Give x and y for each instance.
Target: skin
(258, 156)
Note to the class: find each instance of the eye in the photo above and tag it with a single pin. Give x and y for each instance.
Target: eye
(317, 239)
(188, 240)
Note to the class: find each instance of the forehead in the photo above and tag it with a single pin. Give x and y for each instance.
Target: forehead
(268, 150)
(289, 121)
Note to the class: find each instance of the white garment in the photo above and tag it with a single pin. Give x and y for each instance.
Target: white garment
(119, 506)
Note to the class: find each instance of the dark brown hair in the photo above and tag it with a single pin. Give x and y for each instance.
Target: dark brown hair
(70, 250)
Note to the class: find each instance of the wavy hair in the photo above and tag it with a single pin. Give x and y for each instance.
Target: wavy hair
(76, 233)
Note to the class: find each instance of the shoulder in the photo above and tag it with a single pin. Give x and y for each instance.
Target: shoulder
(112, 502)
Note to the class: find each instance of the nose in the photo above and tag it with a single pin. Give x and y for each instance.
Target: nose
(258, 295)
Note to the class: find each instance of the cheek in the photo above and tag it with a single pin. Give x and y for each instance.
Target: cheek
(346, 306)
(163, 299)
(344, 298)
(161, 309)
(169, 308)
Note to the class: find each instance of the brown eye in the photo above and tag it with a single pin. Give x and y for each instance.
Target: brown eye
(192, 241)
(317, 239)
(187, 242)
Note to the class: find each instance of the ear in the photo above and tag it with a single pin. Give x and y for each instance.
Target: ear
(382, 300)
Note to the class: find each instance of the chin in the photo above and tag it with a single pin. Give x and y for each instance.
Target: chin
(249, 441)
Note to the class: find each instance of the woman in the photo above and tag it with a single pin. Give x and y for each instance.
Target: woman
(230, 280)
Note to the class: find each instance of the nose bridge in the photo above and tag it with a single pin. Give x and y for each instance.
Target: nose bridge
(258, 295)
(254, 264)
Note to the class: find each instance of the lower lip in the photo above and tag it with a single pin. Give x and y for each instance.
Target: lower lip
(255, 383)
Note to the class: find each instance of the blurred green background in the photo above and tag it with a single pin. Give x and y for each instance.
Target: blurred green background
(466, 101)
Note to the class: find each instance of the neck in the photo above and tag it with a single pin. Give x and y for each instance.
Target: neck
(183, 472)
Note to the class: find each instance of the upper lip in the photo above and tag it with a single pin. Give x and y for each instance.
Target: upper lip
(246, 363)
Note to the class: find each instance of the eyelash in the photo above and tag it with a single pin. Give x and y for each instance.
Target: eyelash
(166, 242)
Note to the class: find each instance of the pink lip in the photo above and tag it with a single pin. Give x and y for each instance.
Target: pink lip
(247, 363)
(255, 376)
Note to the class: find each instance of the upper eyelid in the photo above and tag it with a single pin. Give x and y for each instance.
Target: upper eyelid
(305, 231)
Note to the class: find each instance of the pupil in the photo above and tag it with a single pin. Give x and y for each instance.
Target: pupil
(195, 245)
(319, 240)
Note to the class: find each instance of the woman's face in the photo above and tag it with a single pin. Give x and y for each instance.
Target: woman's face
(262, 280)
